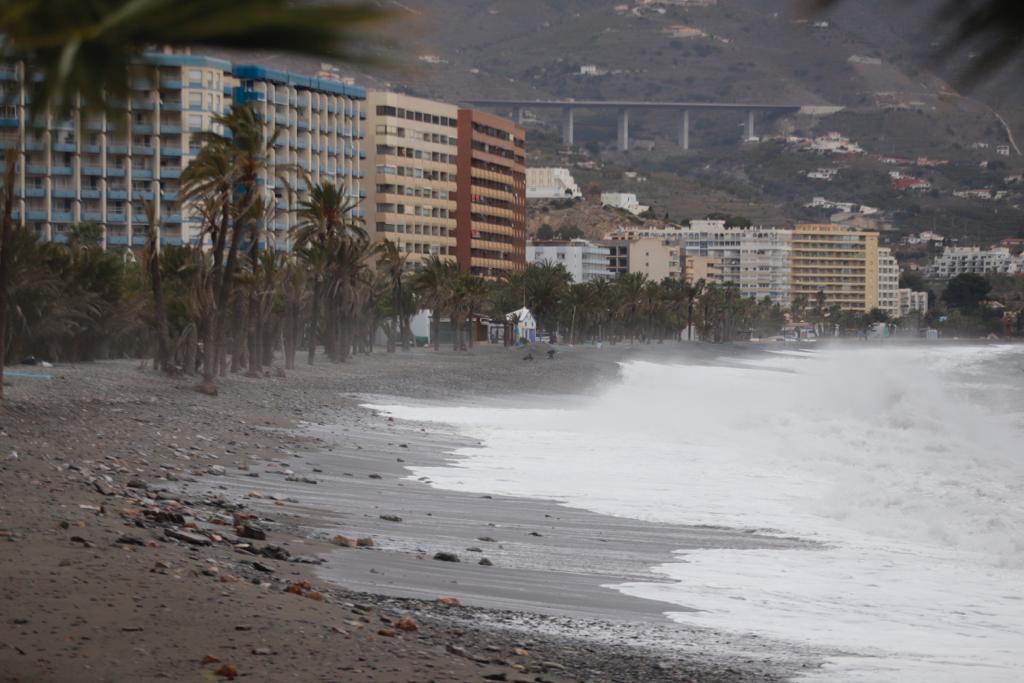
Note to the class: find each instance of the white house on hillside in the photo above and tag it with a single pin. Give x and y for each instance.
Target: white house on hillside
(626, 201)
(551, 183)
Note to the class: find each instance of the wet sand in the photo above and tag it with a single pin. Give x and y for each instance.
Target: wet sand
(544, 590)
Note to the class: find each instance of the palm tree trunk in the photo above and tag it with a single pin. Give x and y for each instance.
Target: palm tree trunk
(224, 297)
(209, 383)
(332, 338)
(238, 325)
(6, 258)
(289, 338)
(253, 332)
(160, 310)
(393, 333)
(344, 343)
(314, 319)
(191, 350)
(270, 333)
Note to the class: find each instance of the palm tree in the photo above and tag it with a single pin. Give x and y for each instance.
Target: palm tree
(86, 47)
(545, 285)
(693, 293)
(294, 281)
(434, 282)
(352, 280)
(473, 293)
(83, 50)
(212, 180)
(631, 290)
(392, 262)
(6, 257)
(151, 258)
(325, 219)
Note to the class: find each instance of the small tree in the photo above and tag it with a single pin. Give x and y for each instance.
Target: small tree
(966, 291)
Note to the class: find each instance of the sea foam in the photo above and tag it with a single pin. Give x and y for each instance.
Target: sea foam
(904, 462)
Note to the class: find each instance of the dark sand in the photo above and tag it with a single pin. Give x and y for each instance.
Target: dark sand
(544, 592)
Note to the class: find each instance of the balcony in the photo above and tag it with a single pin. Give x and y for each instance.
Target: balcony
(92, 216)
(114, 172)
(62, 170)
(36, 215)
(144, 173)
(143, 128)
(170, 84)
(115, 217)
(63, 192)
(117, 149)
(64, 147)
(170, 129)
(61, 217)
(170, 151)
(90, 193)
(170, 172)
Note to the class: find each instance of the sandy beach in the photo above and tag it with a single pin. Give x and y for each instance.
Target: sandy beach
(150, 530)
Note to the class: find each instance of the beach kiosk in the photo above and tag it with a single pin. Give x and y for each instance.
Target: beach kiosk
(524, 325)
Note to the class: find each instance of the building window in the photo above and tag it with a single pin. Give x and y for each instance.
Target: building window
(195, 100)
(195, 122)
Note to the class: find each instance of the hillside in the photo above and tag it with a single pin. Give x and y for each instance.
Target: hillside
(869, 58)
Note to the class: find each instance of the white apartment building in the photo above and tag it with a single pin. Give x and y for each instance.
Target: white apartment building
(888, 282)
(629, 232)
(758, 259)
(551, 183)
(584, 260)
(627, 201)
(92, 168)
(959, 260)
(911, 301)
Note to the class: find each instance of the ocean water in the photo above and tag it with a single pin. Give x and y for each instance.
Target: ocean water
(906, 463)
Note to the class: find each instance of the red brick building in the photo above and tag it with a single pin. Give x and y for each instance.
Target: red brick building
(490, 195)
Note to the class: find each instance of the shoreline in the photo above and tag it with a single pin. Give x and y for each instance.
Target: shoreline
(472, 641)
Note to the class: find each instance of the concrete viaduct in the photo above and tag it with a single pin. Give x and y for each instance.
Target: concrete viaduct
(569, 107)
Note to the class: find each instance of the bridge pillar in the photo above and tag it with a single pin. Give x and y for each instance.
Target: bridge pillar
(684, 130)
(568, 125)
(623, 139)
(748, 129)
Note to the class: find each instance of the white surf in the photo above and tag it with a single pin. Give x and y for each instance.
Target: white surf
(906, 463)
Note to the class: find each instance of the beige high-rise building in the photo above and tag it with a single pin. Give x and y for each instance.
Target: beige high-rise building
(656, 258)
(413, 148)
(706, 268)
(838, 261)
